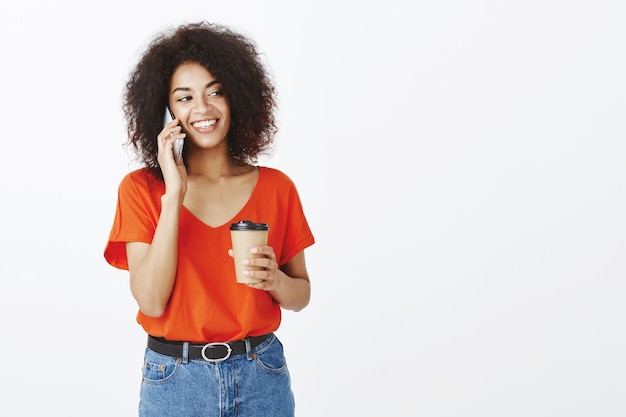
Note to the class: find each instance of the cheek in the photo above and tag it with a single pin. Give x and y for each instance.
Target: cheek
(180, 112)
(226, 115)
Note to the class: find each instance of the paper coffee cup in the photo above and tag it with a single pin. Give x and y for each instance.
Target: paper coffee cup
(245, 235)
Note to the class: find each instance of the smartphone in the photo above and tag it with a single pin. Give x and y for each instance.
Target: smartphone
(178, 143)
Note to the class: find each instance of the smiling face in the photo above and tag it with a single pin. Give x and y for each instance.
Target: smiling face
(197, 100)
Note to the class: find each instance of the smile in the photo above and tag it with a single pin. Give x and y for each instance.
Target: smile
(204, 123)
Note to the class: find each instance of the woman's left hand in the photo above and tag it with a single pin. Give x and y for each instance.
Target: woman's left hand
(265, 268)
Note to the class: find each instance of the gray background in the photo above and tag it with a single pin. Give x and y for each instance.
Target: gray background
(461, 164)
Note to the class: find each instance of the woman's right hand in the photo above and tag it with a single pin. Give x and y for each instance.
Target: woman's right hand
(174, 176)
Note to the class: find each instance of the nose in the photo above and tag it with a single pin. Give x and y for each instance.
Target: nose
(203, 105)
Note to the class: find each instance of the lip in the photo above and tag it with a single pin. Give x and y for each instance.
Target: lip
(208, 128)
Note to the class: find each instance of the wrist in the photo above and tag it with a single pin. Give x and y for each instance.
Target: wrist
(171, 198)
(280, 281)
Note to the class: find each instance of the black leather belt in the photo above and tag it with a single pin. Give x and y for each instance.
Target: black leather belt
(210, 352)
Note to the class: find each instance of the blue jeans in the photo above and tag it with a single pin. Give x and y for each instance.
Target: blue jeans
(256, 383)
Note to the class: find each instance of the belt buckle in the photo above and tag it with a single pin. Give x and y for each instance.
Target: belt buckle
(229, 350)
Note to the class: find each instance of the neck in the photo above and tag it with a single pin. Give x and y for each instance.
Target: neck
(213, 165)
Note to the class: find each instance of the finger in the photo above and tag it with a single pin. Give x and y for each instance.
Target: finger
(256, 285)
(259, 272)
(175, 134)
(170, 132)
(263, 250)
(266, 263)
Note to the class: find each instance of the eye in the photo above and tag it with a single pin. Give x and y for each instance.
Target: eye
(216, 93)
(185, 98)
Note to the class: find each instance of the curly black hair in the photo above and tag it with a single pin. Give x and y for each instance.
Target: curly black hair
(231, 58)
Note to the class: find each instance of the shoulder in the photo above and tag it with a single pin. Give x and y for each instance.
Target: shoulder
(140, 174)
(141, 179)
(275, 176)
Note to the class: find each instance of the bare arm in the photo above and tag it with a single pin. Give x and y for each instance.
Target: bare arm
(152, 266)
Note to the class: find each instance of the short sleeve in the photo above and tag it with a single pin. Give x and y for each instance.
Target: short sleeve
(298, 234)
(136, 215)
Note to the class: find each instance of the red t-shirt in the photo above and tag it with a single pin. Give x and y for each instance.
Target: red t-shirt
(206, 304)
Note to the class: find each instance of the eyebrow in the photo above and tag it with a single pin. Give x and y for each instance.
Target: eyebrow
(212, 83)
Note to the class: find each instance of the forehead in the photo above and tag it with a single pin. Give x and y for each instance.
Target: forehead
(190, 74)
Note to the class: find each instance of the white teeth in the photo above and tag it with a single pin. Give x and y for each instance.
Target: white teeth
(205, 123)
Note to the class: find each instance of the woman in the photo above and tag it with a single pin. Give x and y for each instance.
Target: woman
(211, 348)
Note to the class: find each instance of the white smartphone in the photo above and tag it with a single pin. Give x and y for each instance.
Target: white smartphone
(178, 143)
